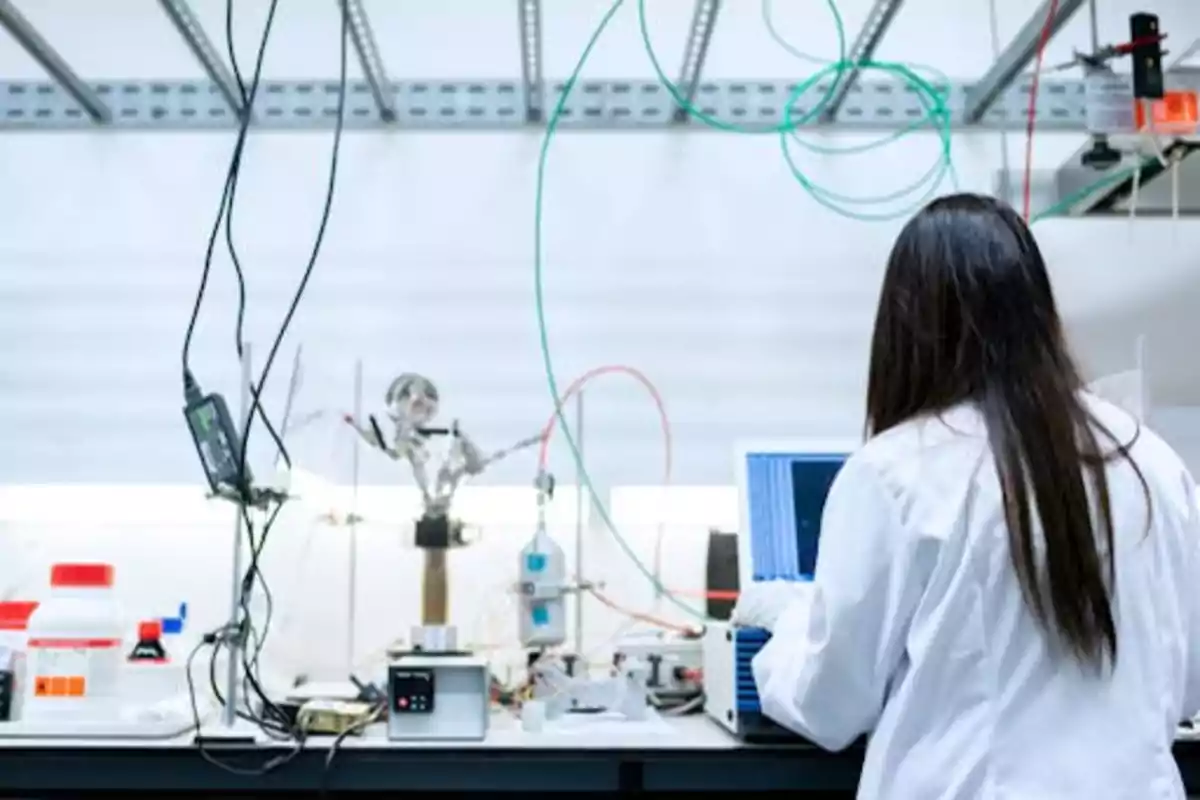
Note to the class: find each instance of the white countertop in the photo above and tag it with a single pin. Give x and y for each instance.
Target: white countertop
(693, 733)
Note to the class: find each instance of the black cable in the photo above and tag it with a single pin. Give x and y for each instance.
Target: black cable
(272, 764)
(343, 51)
(227, 194)
(334, 748)
(247, 96)
(326, 213)
(270, 713)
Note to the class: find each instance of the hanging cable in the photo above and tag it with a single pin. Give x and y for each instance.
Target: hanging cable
(1031, 121)
(269, 717)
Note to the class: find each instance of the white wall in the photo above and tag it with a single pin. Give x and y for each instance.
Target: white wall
(694, 257)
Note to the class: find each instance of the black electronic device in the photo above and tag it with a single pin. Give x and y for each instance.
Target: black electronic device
(1146, 53)
(217, 441)
(439, 532)
(8, 695)
(410, 691)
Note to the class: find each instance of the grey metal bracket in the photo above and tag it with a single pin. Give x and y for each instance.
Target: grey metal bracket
(40, 50)
(369, 57)
(885, 105)
(863, 50)
(197, 41)
(1045, 23)
(533, 86)
(695, 53)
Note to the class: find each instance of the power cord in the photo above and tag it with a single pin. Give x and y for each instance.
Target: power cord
(354, 729)
(250, 665)
(272, 720)
(225, 208)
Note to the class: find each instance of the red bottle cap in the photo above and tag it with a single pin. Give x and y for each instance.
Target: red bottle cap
(14, 616)
(150, 631)
(82, 576)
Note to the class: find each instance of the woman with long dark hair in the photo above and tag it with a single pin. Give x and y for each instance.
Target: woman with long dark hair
(1007, 593)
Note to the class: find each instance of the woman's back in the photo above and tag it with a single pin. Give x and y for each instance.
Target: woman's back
(984, 701)
(1003, 596)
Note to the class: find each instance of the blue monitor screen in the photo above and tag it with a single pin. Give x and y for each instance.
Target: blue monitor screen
(786, 497)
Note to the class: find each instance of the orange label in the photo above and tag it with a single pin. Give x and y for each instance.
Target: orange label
(60, 686)
(1175, 113)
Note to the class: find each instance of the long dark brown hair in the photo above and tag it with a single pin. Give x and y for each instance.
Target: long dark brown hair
(967, 315)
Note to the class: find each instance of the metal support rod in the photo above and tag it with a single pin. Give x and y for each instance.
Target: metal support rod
(41, 51)
(352, 576)
(234, 640)
(529, 18)
(1094, 25)
(704, 20)
(189, 27)
(580, 526)
(1192, 50)
(862, 51)
(1018, 55)
(369, 58)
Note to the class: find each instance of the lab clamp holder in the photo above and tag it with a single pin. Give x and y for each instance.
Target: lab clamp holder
(220, 445)
(412, 403)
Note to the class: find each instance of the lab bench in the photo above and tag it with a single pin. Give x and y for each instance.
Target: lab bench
(697, 755)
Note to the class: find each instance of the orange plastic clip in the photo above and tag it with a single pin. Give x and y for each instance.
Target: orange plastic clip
(1175, 113)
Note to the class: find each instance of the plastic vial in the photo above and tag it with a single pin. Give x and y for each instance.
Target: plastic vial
(75, 649)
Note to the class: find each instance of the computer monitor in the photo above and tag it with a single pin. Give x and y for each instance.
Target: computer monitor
(782, 486)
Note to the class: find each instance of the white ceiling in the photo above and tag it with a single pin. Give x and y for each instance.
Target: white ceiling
(133, 39)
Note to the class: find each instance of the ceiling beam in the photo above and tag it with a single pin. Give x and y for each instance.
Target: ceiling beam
(704, 20)
(529, 18)
(862, 51)
(185, 21)
(1045, 24)
(369, 58)
(54, 64)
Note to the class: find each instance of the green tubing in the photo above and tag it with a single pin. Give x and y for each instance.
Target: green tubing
(543, 333)
(937, 116)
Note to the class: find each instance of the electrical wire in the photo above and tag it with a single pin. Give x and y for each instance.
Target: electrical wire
(639, 616)
(1031, 121)
(931, 97)
(335, 747)
(614, 369)
(668, 444)
(224, 210)
(249, 669)
(269, 717)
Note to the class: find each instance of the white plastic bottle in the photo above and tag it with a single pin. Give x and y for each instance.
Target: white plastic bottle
(75, 651)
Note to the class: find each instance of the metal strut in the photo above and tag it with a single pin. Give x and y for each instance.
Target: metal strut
(529, 17)
(1018, 55)
(185, 21)
(369, 58)
(54, 64)
(861, 52)
(704, 19)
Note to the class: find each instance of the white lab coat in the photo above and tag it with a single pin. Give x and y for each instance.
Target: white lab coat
(917, 634)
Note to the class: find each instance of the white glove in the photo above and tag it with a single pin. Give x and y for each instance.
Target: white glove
(760, 604)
